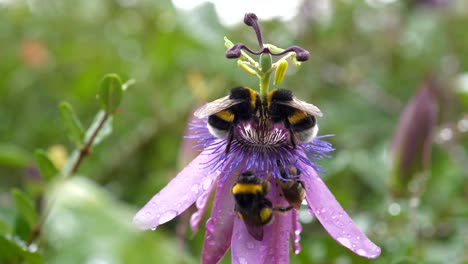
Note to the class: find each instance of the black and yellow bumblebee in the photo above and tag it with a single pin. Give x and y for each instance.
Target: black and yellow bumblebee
(292, 188)
(298, 116)
(252, 205)
(243, 104)
(223, 114)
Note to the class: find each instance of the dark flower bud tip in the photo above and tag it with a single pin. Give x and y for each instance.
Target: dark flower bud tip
(302, 55)
(234, 52)
(250, 19)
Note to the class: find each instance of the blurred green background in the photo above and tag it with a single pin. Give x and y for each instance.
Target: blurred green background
(368, 59)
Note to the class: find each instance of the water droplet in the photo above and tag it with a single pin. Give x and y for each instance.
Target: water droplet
(195, 188)
(250, 245)
(358, 238)
(297, 251)
(166, 216)
(361, 252)
(185, 198)
(153, 228)
(207, 184)
(242, 260)
(344, 241)
(297, 232)
(323, 211)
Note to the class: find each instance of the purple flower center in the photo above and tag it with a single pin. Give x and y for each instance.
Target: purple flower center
(263, 137)
(260, 146)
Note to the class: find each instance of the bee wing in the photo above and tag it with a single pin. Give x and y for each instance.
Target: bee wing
(303, 106)
(216, 106)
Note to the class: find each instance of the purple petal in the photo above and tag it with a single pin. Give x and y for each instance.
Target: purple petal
(274, 248)
(201, 204)
(333, 218)
(219, 226)
(188, 150)
(178, 195)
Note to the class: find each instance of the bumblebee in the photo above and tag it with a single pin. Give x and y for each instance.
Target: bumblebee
(252, 205)
(243, 104)
(298, 116)
(223, 114)
(293, 189)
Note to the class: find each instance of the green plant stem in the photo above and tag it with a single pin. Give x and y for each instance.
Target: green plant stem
(85, 150)
(265, 84)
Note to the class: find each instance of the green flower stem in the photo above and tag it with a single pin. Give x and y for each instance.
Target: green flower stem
(265, 84)
(86, 149)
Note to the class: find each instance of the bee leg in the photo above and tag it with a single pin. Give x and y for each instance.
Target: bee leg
(230, 137)
(292, 138)
(283, 209)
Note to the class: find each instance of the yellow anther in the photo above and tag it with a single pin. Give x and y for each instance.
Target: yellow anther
(280, 71)
(246, 68)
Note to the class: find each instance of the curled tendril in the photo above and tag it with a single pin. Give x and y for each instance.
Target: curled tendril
(251, 20)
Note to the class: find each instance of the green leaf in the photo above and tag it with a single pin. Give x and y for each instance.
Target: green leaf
(45, 165)
(110, 92)
(103, 129)
(9, 250)
(14, 250)
(72, 124)
(13, 156)
(5, 228)
(92, 214)
(25, 206)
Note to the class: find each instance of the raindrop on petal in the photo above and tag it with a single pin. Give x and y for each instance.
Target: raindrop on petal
(250, 245)
(242, 260)
(344, 241)
(361, 252)
(207, 183)
(166, 216)
(195, 188)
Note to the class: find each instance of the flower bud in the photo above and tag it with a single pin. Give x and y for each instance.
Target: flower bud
(280, 71)
(412, 142)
